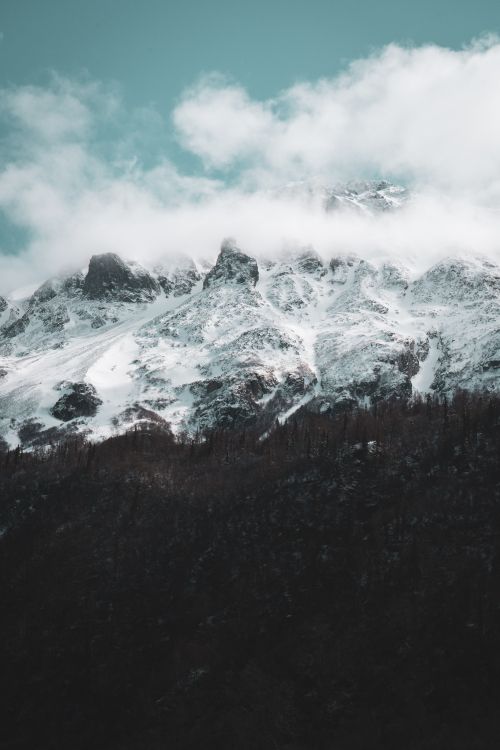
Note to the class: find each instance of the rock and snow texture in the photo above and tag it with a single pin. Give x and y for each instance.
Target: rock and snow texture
(371, 196)
(109, 277)
(244, 342)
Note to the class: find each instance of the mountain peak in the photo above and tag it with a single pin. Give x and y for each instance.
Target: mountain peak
(232, 266)
(111, 277)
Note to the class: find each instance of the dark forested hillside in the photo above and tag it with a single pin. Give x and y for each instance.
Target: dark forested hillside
(335, 584)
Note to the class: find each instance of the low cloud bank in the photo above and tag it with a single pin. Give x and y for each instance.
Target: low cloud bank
(72, 178)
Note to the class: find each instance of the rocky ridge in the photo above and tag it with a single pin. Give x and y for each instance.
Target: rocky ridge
(245, 342)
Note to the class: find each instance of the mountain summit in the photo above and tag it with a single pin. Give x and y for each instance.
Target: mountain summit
(232, 266)
(109, 277)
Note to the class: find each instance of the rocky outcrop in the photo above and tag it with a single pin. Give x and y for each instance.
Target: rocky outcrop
(32, 433)
(179, 280)
(138, 416)
(80, 400)
(13, 329)
(232, 267)
(54, 318)
(408, 361)
(109, 277)
(458, 281)
(309, 262)
(44, 293)
(73, 284)
(231, 400)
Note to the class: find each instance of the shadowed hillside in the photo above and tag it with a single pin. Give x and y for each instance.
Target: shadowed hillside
(334, 585)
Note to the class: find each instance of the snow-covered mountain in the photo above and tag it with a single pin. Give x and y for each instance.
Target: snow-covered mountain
(362, 195)
(243, 341)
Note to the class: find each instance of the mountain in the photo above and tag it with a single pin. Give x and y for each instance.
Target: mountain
(245, 342)
(360, 195)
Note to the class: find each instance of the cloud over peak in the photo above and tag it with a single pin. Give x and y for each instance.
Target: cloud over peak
(429, 115)
(74, 180)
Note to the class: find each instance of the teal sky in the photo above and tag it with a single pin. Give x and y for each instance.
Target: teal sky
(155, 48)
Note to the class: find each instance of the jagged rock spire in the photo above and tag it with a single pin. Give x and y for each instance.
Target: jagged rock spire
(110, 277)
(232, 266)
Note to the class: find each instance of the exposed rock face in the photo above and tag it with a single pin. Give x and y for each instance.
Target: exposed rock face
(408, 362)
(44, 293)
(109, 277)
(45, 312)
(29, 431)
(179, 280)
(232, 266)
(309, 262)
(3, 304)
(49, 318)
(54, 318)
(138, 416)
(33, 433)
(16, 327)
(458, 282)
(73, 284)
(80, 401)
(232, 400)
(340, 267)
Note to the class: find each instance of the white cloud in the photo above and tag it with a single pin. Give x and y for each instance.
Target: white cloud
(429, 116)
(220, 123)
(61, 111)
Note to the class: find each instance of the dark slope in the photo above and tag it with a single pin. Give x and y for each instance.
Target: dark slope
(315, 590)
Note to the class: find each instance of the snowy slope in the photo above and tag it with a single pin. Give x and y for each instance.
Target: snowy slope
(246, 342)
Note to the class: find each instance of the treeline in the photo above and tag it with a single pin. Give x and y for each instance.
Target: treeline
(331, 584)
(388, 427)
